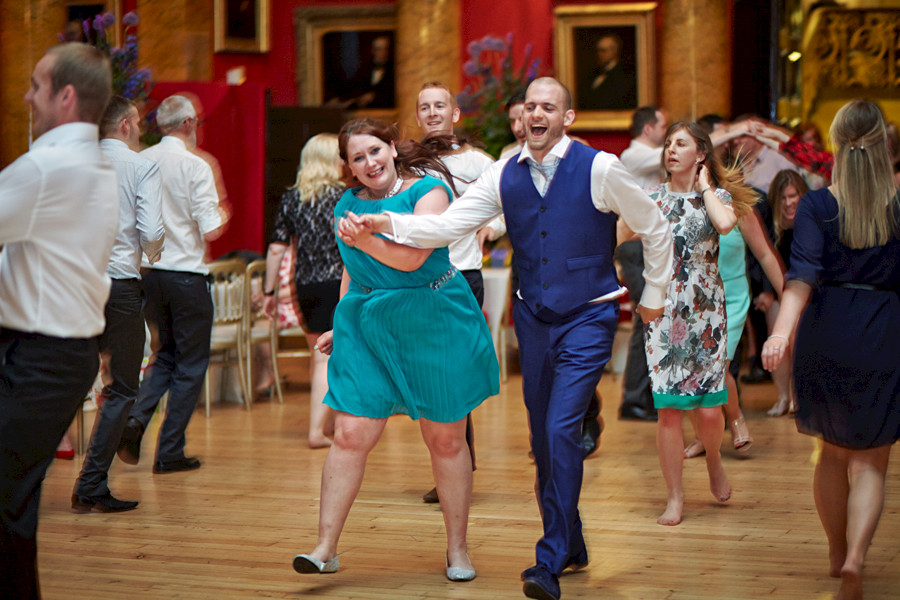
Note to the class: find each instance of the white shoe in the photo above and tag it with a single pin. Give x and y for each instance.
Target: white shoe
(305, 563)
(458, 573)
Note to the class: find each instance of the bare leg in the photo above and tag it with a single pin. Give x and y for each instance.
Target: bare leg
(695, 448)
(670, 447)
(781, 376)
(831, 488)
(734, 416)
(451, 464)
(866, 470)
(321, 417)
(342, 474)
(711, 430)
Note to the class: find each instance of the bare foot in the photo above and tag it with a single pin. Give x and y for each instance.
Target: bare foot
(322, 442)
(718, 483)
(672, 516)
(851, 584)
(836, 556)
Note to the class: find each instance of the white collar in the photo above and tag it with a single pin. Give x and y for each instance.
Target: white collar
(559, 150)
(68, 133)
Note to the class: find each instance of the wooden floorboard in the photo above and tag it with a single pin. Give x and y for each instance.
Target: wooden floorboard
(230, 529)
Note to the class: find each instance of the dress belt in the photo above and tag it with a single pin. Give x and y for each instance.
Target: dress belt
(435, 285)
(860, 286)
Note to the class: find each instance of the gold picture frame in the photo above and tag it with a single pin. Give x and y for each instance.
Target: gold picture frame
(241, 26)
(335, 47)
(606, 55)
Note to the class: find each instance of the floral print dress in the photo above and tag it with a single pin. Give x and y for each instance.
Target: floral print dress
(686, 347)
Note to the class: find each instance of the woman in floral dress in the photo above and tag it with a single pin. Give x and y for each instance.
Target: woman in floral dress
(686, 347)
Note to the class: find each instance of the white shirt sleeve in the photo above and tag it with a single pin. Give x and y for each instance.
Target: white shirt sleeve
(148, 211)
(204, 199)
(20, 187)
(469, 213)
(614, 189)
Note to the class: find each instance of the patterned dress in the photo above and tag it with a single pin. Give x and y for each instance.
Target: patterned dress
(686, 347)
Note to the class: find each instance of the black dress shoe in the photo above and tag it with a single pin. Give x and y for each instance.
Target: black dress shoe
(540, 584)
(590, 436)
(431, 497)
(633, 412)
(129, 450)
(173, 466)
(104, 503)
(756, 375)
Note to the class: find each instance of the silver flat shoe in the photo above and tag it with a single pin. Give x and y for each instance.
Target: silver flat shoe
(304, 563)
(458, 573)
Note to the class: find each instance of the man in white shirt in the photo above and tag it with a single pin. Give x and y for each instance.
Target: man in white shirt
(436, 113)
(643, 159)
(179, 308)
(559, 199)
(140, 231)
(761, 163)
(58, 220)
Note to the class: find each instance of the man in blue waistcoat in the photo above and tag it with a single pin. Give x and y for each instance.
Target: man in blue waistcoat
(560, 199)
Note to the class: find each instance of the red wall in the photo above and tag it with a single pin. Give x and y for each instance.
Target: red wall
(530, 21)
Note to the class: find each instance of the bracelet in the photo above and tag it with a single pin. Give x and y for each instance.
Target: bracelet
(704, 191)
(775, 335)
(272, 293)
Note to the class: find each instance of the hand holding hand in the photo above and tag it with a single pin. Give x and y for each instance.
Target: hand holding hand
(648, 314)
(764, 301)
(353, 229)
(324, 343)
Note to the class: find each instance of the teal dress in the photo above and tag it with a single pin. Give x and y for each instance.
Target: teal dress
(414, 342)
(733, 269)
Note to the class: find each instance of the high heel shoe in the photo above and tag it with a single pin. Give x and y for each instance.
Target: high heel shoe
(694, 449)
(740, 435)
(458, 573)
(306, 563)
(781, 407)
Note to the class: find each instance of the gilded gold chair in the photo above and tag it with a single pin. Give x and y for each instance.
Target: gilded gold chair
(227, 286)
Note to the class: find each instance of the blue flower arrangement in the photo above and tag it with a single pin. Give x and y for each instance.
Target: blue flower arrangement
(484, 105)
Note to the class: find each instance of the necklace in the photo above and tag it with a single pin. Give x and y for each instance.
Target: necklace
(393, 191)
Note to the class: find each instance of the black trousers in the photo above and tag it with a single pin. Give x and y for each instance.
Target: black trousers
(179, 308)
(636, 385)
(123, 339)
(43, 381)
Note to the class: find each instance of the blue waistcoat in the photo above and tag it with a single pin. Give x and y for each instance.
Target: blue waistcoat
(563, 246)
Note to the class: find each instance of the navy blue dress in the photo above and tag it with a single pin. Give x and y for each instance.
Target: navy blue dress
(847, 355)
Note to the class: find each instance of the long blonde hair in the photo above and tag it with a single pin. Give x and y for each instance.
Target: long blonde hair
(864, 182)
(729, 178)
(776, 196)
(319, 166)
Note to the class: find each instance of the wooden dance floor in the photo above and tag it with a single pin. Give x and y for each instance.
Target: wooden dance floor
(231, 529)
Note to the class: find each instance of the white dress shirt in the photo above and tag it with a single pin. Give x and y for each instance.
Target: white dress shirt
(465, 166)
(644, 163)
(140, 209)
(190, 205)
(612, 190)
(58, 220)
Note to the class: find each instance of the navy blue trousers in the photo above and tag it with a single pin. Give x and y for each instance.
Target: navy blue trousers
(179, 307)
(562, 359)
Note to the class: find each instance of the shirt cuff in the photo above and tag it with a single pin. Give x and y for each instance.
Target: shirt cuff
(401, 232)
(653, 296)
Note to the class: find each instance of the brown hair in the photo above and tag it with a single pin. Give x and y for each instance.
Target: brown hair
(413, 159)
(87, 70)
(116, 110)
(863, 176)
(440, 86)
(730, 178)
(776, 195)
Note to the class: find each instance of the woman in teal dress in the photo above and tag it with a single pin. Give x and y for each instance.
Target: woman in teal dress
(408, 338)
(686, 347)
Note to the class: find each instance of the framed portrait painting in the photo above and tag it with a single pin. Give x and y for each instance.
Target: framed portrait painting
(346, 58)
(606, 56)
(241, 25)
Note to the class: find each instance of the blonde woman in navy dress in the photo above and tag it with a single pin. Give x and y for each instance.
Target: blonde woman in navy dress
(686, 347)
(845, 263)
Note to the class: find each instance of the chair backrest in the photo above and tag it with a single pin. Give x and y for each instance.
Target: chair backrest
(255, 277)
(496, 299)
(227, 283)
